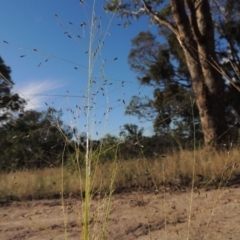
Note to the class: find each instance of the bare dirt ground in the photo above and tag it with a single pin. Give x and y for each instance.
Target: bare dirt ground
(135, 215)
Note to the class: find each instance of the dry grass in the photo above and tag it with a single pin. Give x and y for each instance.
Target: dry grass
(217, 170)
(37, 183)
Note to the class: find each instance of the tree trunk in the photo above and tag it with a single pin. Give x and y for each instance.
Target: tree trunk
(196, 36)
(194, 30)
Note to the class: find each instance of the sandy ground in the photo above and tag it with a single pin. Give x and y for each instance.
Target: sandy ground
(135, 215)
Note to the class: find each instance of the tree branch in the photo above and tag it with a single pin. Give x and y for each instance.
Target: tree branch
(193, 20)
(158, 19)
(138, 11)
(185, 36)
(181, 19)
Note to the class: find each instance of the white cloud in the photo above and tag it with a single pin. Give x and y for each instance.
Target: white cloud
(37, 93)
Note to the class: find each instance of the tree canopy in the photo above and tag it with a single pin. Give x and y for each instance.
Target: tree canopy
(194, 71)
(10, 102)
(33, 141)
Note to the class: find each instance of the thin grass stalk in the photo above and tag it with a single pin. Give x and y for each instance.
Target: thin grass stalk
(104, 231)
(62, 194)
(193, 172)
(221, 185)
(164, 201)
(87, 157)
(171, 132)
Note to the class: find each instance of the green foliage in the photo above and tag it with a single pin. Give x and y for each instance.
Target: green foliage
(9, 102)
(33, 141)
(162, 65)
(131, 132)
(171, 97)
(109, 148)
(160, 62)
(165, 12)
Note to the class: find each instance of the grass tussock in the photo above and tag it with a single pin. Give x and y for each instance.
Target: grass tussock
(174, 170)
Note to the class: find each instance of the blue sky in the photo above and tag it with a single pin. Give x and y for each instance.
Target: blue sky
(46, 51)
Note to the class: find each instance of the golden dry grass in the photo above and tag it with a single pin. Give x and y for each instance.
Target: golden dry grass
(173, 169)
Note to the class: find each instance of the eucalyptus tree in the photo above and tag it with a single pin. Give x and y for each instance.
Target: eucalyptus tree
(168, 108)
(200, 29)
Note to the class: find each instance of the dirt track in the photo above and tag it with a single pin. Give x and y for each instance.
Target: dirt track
(133, 215)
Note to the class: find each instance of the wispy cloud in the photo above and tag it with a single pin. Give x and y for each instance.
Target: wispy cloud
(37, 93)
